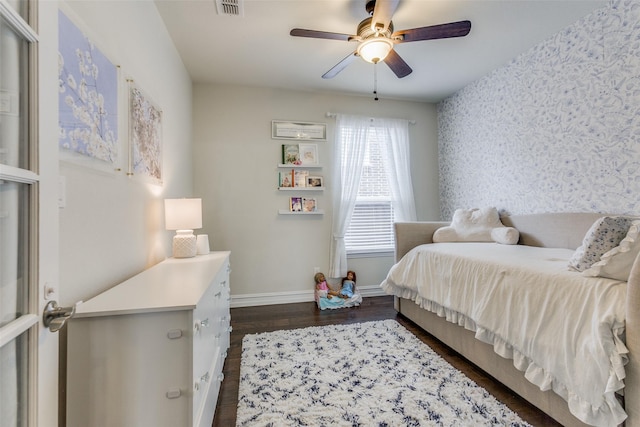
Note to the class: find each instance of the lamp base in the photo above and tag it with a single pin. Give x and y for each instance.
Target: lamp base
(184, 244)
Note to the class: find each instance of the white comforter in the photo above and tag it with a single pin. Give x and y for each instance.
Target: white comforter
(562, 329)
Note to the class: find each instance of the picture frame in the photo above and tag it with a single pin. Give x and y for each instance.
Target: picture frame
(309, 204)
(300, 178)
(308, 154)
(282, 129)
(285, 180)
(315, 181)
(145, 136)
(295, 204)
(88, 99)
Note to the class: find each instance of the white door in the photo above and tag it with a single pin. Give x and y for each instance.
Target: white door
(28, 225)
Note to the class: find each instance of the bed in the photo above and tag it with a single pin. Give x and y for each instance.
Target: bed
(461, 315)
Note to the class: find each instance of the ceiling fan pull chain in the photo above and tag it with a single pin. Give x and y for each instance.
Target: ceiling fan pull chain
(375, 81)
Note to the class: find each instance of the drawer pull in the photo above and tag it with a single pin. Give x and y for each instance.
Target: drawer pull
(223, 283)
(174, 393)
(230, 328)
(203, 379)
(218, 294)
(201, 324)
(173, 334)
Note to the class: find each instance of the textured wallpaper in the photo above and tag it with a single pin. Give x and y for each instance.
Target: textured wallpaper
(556, 130)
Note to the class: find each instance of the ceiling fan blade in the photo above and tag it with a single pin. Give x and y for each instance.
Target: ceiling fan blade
(340, 66)
(301, 32)
(382, 13)
(441, 31)
(397, 64)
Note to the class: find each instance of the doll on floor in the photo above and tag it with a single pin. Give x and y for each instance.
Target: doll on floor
(326, 297)
(348, 288)
(323, 290)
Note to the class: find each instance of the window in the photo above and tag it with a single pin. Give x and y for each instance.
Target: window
(371, 187)
(371, 225)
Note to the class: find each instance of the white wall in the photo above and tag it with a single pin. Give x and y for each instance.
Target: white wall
(235, 163)
(113, 226)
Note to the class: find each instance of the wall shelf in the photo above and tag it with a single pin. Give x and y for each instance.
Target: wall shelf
(301, 188)
(282, 165)
(287, 212)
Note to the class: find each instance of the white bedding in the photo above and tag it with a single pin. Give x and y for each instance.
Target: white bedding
(562, 329)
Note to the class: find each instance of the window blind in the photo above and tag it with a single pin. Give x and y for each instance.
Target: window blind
(371, 228)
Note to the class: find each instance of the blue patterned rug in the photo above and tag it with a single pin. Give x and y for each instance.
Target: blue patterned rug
(363, 374)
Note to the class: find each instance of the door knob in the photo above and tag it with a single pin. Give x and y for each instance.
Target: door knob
(54, 316)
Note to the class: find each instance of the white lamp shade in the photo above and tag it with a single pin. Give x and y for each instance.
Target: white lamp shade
(183, 214)
(375, 49)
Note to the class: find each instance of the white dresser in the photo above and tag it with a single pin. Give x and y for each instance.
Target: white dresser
(150, 351)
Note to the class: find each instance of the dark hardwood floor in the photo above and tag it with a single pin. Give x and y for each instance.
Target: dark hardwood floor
(249, 320)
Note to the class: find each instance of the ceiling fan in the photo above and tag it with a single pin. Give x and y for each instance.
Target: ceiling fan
(376, 38)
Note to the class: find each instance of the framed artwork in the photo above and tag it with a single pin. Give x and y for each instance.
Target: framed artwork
(87, 100)
(315, 181)
(295, 204)
(309, 204)
(281, 129)
(145, 136)
(308, 154)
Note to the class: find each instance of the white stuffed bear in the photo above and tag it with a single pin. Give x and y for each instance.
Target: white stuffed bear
(477, 225)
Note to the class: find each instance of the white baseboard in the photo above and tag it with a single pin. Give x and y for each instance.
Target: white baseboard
(270, 298)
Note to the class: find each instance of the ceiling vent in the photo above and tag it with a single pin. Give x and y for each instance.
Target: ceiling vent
(230, 7)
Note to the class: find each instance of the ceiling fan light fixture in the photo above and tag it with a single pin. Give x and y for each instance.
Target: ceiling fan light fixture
(375, 49)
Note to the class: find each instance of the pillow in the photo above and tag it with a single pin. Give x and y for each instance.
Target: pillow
(605, 234)
(616, 264)
(477, 225)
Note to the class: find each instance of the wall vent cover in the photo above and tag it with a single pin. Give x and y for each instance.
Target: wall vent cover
(230, 7)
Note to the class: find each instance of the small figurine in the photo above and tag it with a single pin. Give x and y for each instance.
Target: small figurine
(348, 285)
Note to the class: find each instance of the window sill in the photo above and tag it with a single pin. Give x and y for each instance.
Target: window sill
(370, 254)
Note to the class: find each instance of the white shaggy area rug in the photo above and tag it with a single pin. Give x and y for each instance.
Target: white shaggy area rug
(364, 374)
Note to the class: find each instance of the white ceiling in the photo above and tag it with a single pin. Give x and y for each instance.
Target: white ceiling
(256, 49)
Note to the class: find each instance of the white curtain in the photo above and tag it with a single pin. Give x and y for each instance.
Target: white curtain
(397, 163)
(350, 143)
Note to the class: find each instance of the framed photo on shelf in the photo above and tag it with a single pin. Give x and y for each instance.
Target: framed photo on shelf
(315, 181)
(309, 204)
(281, 129)
(290, 154)
(308, 154)
(300, 178)
(286, 179)
(295, 204)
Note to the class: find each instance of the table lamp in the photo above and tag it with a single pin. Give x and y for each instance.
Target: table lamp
(183, 215)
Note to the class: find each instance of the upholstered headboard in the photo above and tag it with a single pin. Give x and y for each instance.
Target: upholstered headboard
(552, 230)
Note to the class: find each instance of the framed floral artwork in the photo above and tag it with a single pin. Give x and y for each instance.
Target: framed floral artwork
(87, 100)
(145, 136)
